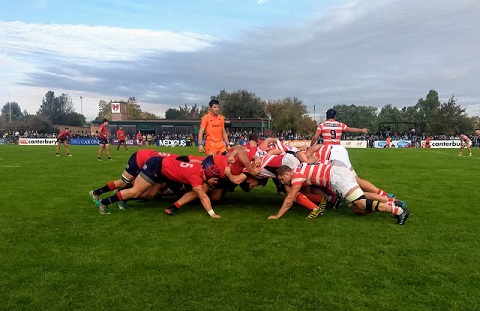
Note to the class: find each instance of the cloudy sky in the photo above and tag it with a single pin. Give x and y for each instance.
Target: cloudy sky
(174, 52)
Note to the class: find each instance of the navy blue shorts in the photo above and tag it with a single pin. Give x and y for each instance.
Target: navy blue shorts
(132, 166)
(103, 141)
(151, 170)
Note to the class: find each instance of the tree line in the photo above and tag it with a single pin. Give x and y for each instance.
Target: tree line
(429, 115)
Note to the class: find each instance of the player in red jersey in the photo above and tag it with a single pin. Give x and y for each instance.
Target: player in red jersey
(121, 138)
(62, 139)
(341, 180)
(157, 170)
(427, 142)
(139, 139)
(133, 168)
(466, 142)
(213, 124)
(103, 140)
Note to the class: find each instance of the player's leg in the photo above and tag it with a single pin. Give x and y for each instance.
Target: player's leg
(65, 143)
(107, 150)
(140, 186)
(100, 149)
(57, 149)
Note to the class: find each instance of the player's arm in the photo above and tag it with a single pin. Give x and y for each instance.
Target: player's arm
(225, 137)
(207, 205)
(356, 130)
(236, 179)
(243, 158)
(315, 137)
(265, 144)
(292, 192)
(200, 139)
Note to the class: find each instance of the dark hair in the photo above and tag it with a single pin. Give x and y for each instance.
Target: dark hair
(213, 102)
(105, 120)
(245, 186)
(331, 113)
(253, 137)
(67, 128)
(283, 169)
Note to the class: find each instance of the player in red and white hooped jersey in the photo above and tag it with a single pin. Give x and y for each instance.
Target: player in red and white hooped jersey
(341, 180)
(275, 146)
(466, 142)
(331, 131)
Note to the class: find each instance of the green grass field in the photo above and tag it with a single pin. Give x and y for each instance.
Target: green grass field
(58, 253)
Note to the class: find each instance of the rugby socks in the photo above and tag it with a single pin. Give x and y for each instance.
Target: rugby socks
(382, 193)
(113, 199)
(315, 198)
(107, 188)
(304, 201)
(393, 208)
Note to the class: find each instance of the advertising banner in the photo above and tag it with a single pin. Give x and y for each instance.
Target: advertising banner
(344, 143)
(393, 144)
(3, 141)
(406, 143)
(84, 141)
(444, 143)
(36, 141)
(172, 142)
(354, 143)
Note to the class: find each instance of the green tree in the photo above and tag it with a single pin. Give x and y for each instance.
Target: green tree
(60, 110)
(173, 113)
(427, 110)
(104, 110)
(241, 104)
(357, 116)
(290, 115)
(451, 119)
(11, 112)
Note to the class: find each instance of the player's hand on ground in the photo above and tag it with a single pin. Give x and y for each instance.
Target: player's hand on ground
(215, 216)
(273, 217)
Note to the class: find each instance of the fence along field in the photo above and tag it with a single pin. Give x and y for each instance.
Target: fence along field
(57, 252)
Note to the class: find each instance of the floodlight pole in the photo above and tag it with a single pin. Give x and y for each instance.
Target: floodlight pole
(81, 104)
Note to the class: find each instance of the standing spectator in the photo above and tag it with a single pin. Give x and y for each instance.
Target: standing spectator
(121, 138)
(139, 139)
(62, 139)
(214, 125)
(466, 142)
(103, 140)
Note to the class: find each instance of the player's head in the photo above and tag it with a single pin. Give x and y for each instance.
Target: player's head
(284, 174)
(214, 106)
(105, 121)
(119, 127)
(331, 113)
(212, 172)
(67, 129)
(253, 137)
(477, 131)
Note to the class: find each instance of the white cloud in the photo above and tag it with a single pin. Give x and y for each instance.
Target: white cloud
(364, 53)
(94, 43)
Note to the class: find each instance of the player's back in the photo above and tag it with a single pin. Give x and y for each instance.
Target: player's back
(331, 131)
